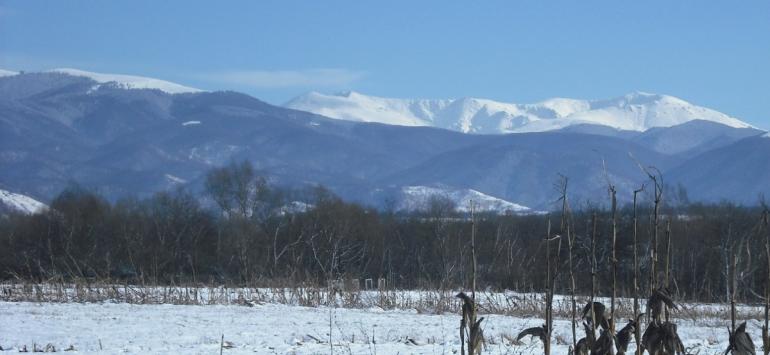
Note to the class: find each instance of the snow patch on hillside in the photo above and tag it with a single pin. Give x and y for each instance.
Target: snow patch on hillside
(130, 81)
(638, 111)
(21, 202)
(294, 207)
(419, 198)
(4, 72)
(766, 135)
(175, 179)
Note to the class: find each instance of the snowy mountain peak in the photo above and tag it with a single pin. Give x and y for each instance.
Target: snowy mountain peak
(637, 111)
(129, 81)
(346, 93)
(641, 94)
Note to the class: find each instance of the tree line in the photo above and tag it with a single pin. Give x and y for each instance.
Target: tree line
(247, 232)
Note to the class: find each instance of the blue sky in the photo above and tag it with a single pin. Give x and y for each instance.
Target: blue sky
(712, 53)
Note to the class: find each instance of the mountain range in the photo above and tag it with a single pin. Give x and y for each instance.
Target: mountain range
(636, 111)
(133, 136)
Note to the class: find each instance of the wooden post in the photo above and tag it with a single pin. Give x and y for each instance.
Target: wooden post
(593, 273)
(471, 341)
(614, 261)
(331, 341)
(765, 328)
(668, 253)
(473, 255)
(668, 260)
(654, 244)
(548, 325)
(638, 330)
(733, 265)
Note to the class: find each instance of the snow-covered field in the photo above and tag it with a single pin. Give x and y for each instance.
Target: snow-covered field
(283, 329)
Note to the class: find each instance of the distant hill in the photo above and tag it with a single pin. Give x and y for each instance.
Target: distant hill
(131, 139)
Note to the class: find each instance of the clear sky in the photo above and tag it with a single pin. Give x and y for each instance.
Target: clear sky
(712, 53)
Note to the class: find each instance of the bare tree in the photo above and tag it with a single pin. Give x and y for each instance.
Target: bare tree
(613, 258)
(766, 328)
(565, 230)
(657, 182)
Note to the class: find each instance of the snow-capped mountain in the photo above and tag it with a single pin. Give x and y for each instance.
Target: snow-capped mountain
(19, 202)
(128, 81)
(419, 198)
(120, 80)
(637, 111)
(57, 128)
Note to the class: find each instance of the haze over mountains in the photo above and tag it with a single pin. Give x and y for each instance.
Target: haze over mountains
(133, 136)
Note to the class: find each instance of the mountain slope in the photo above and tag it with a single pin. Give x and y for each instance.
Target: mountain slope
(738, 172)
(636, 112)
(57, 128)
(693, 137)
(524, 167)
(129, 81)
(418, 198)
(19, 202)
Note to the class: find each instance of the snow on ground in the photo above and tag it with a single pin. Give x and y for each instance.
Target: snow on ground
(275, 323)
(280, 329)
(20, 202)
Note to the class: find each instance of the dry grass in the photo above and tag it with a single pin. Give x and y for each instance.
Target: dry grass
(423, 301)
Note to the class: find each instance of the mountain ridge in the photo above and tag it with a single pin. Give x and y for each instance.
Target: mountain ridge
(122, 80)
(637, 111)
(57, 129)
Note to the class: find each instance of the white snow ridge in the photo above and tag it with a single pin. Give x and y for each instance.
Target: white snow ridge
(418, 198)
(175, 179)
(130, 81)
(637, 111)
(4, 72)
(21, 202)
